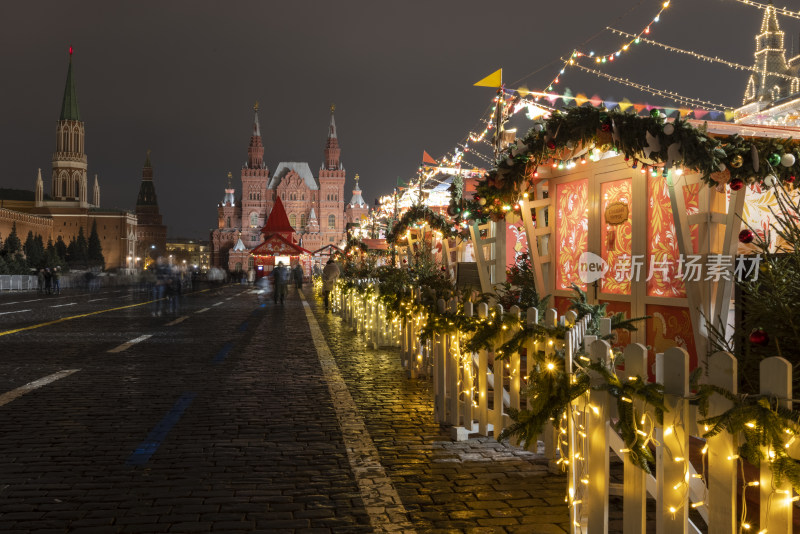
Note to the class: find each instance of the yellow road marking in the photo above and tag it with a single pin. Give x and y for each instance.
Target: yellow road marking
(64, 319)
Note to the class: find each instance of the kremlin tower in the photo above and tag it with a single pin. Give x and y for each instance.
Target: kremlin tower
(151, 234)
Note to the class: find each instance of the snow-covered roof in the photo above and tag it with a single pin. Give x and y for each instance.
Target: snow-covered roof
(239, 246)
(301, 168)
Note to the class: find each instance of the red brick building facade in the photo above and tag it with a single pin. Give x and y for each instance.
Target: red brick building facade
(315, 206)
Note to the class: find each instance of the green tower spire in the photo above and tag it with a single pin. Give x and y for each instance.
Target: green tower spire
(69, 106)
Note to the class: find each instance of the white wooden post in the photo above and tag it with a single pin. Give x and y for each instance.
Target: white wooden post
(483, 380)
(572, 442)
(532, 318)
(480, 258)
(722, 472)
(466, 388)
(514, 370)
(776, 505)
(498, 368)
(634, 495)
(453, 357)
(440, 342)
(597, 450)
(550, 448)
(673, 466)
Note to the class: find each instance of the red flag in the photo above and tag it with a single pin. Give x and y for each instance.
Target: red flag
(426, 158)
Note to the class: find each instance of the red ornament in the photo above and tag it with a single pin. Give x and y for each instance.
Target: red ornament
(746, 236)
(790, 179)
(736, 184)
(551, 145)
(759, 337)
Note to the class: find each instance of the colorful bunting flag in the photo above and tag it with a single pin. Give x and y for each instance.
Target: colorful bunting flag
(426, 158)
(495, 79)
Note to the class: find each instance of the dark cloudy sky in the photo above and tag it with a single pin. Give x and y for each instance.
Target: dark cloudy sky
(180, 77)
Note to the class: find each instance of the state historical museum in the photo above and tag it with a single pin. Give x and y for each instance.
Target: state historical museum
(315, 207)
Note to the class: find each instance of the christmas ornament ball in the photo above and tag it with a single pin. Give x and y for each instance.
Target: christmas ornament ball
(759, 337)
(736, 184)
(655, 113)
(774, 159)
(669, 129)
(746, 236)
(770, 180)
(737, 161)
(482, 201)
(551, 145)
(787, 160)
(538, 127)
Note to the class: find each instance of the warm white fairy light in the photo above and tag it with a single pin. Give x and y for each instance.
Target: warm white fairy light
(697, 55)
(656, 92)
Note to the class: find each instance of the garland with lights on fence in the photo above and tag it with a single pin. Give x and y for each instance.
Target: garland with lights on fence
(760, 419)
(567, 139)
(416, 214)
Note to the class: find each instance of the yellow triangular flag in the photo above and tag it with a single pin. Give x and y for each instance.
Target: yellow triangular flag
(495, 79)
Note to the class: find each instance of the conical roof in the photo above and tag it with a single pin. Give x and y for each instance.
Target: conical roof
(69, 106)
(278, 221)
(770, 21)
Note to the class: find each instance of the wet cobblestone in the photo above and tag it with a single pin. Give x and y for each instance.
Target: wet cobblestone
(257, 449)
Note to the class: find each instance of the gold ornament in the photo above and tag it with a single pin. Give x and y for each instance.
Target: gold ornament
(737, 161)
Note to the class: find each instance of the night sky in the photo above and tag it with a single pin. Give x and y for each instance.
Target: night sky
(180, 78)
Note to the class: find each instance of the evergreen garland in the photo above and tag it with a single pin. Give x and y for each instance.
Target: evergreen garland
(750, 160)
(414, 215)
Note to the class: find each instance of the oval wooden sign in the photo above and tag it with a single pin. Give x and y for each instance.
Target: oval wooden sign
(616, 213)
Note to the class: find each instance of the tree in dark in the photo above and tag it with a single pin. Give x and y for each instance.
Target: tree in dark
(61, 248)
(95, 248)
(12, 244)
(34, 251)
(51, 256)
(78, 251)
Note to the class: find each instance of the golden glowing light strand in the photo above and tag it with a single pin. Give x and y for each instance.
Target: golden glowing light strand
(779, 10)
(576, 53)
(699, 56)
(656, 92)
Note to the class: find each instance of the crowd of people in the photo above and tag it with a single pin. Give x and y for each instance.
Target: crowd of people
(49, 281)
(277, 282)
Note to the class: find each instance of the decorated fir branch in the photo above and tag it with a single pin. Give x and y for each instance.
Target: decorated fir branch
(567, 136)
(759, 419)
(763, 423)
(619, 321)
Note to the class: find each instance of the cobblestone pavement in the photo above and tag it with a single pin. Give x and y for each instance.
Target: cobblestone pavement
(220, 417)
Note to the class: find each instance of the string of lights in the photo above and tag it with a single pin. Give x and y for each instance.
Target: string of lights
(656, 92)
(697, 55)
(780, 10)
(602, 58)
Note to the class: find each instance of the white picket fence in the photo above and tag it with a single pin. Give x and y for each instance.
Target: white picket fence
(708, 485)
(473, 392)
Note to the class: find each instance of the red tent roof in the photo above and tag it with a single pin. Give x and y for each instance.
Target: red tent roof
(277, 245)
(277, 222)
